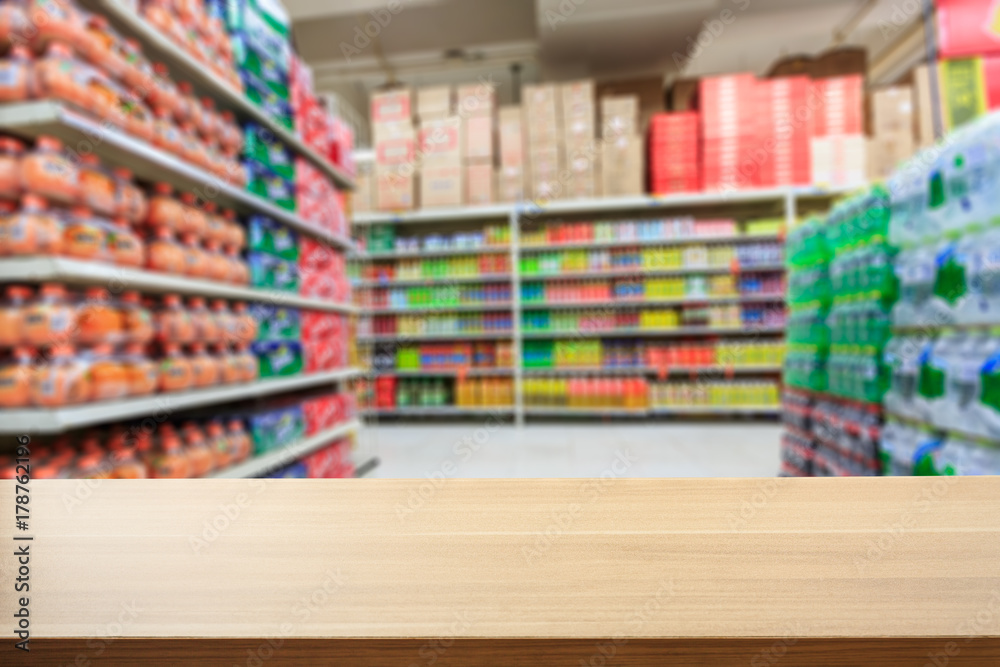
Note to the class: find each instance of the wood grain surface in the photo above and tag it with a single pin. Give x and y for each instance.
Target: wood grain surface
(521, 568)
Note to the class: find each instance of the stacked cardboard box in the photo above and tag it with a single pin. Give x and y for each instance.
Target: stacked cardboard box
(728, 112)
(394, 142)
(783, 131)
(477, 108)
(578, 117)
(622, 150)
(544, 132)
(364, 188)
(838, 147)
(511, 174)
(892, 131)
(440, 162)
(674, 165)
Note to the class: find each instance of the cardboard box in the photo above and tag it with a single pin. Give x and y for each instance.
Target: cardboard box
(479, 183)
(684, 95)
(477, 99)
(510, 184)
(886, 152)
(577, 99)
(441, 185)
(892, 110)
(839, 160)
(648, 90)
(541, 99)
(840, 110)
(477, 136)
(622, 167)
(394, 188)
(923, 105)
(395, 149)
(511, 137)
(440, 141)
(545, 163)
(391, 106)
(362, 197)
(434, 102)
(619, 116)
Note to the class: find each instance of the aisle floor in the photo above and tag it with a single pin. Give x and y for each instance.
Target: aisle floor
(577, 450)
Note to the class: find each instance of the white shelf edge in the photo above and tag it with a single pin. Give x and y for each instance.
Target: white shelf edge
(644, 273)
(475, 308)
(631, 303)
(650, 370)
(286, 455)
(221, 91)
(425, 372)
(67, 270)
(639, 333)
(485, 250)
(58, 420)
(148, 162)
(668, 242)
(404, 282)
(594, 205)
(403, 338)
(437, 411)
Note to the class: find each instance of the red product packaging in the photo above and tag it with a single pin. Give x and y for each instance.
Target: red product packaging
(968, 28)
(325, 355)
(839, 103)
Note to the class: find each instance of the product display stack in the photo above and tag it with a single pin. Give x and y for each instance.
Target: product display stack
(943, 402)
(193, 257)
(841, 291)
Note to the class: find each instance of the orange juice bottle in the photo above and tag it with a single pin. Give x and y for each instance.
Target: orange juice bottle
(200, 458)
(170, 461)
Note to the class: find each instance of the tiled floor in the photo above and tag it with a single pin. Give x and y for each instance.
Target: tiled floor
(574, 450)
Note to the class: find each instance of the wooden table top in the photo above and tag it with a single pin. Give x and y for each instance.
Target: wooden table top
(515, 569)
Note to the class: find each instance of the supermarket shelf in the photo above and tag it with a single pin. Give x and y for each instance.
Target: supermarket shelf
(679, 240)
(118, 278)
(640, 203)
(446, 252)
(186, 68)
(675, 332)
(438, 372)
(58, 420)
(287, 455)
(539, 411)
(428, 215)
(652, 370)
(487, 278)
(641, 272)
(405, 338)
(147, 162)
(631, 303)
(443, 411)
(478, 307)
(762, 410)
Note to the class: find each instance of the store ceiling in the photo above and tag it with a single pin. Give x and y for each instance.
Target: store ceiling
(424, 42)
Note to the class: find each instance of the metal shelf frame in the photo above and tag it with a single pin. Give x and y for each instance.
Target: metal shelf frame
(517, 215)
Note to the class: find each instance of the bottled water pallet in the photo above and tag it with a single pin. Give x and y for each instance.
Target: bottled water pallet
(829, 436)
